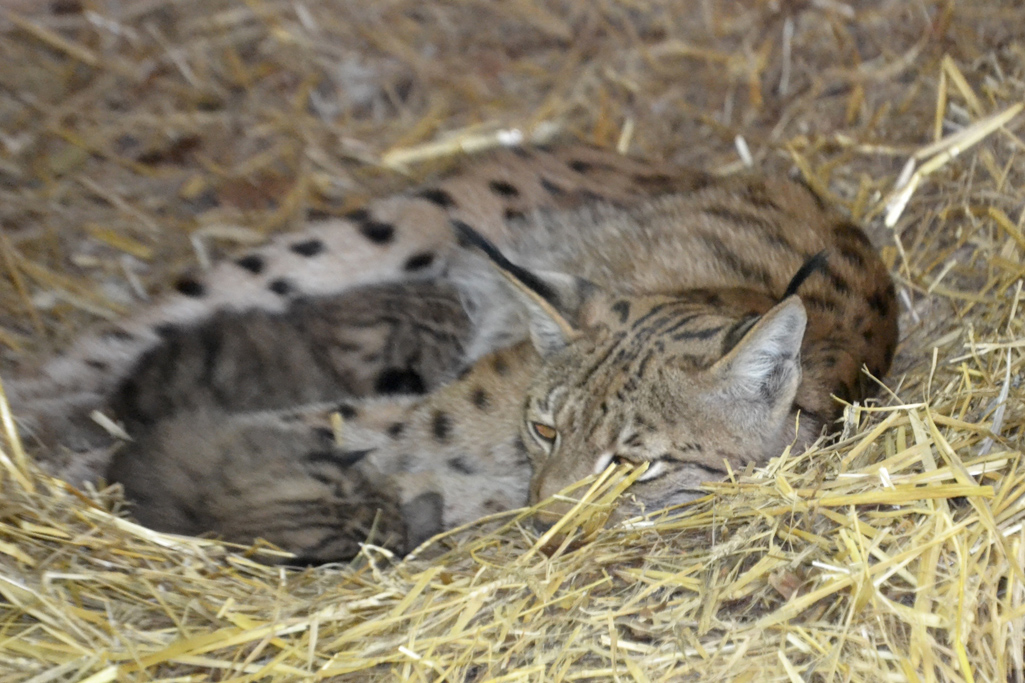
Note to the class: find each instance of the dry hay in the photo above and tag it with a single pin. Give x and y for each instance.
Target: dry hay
(134, 132)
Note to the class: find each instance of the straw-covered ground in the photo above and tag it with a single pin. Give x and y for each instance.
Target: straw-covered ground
(135, 137)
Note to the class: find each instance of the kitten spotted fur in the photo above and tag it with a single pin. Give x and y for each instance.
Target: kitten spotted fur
(594, 309)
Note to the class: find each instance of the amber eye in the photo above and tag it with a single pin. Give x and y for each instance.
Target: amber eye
(544, 432)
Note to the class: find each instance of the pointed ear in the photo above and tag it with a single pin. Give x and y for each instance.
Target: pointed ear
(763, 370)
(554, 301)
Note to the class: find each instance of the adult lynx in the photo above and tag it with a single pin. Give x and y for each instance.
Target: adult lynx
(488, 340)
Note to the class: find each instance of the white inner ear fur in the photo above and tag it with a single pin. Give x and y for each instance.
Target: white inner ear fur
(765, 367)
(550, 330)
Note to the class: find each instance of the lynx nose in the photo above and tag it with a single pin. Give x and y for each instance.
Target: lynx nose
(551, 512)
(543, 521)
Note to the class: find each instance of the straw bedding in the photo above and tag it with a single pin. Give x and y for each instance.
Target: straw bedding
(136, 135)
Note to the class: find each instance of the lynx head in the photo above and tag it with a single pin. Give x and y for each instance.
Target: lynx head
(684, 384)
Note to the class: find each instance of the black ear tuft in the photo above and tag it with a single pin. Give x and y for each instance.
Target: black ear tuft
(554, 301)
(466, 235)
(815, 263)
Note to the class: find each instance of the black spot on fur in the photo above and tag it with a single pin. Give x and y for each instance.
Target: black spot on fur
(711, 298)
(377, 232)
(580, 166)
(321, 477)
(592, 196)
(492, 506)
(358, 216)
(654, 183)
(190, 287)
(521, 450)
(879, 303)
(308, 248)
(61, 7)
(500, 366)
(622, 309)
(705, 333)
(822, 303)
(441, 426)
(758, 195)
(843, 392)
(164, 329)
(501, 187)
(399, 381)
(778, 240)
(196, 519)
(700, 181)
(395, 429)
(253, 263)
(460, 465)
(438, 196)
(325, 434)
(746, 220)
(418, 261)
(338, 458)
(347, 411)
(891, 349)
(281, 287)
(96, 364)
(514, 215)
(837, 280)
(481, 399)
(751, 271)
(551, 188)
(852, 256)
(852, 232)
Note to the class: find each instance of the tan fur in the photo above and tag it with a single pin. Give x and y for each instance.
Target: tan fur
(636, 311)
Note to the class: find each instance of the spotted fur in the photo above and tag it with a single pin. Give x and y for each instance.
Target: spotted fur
(535, 318)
